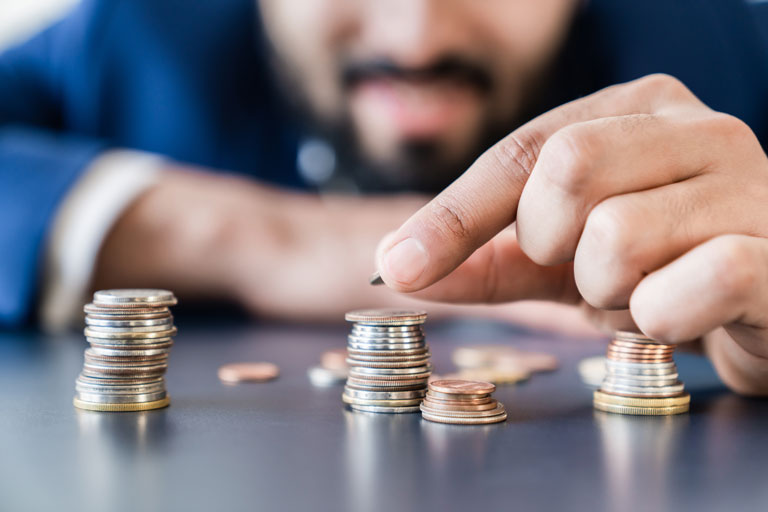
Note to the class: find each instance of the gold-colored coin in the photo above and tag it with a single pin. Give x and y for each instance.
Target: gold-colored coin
(146, 406)
(461, 387)
(627, 401)
(641, 411)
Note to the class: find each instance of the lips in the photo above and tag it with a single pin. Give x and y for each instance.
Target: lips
(413, 108)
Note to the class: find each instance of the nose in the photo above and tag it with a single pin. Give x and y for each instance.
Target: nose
(413, 33)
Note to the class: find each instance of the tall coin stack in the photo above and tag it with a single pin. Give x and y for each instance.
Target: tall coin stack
(388, 361)
(641, 378)
(462, 402)
(129, 332)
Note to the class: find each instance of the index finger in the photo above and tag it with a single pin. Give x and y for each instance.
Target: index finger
(483, 201)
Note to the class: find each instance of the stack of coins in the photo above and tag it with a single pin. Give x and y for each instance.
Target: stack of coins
(462, 402)
(129, 332)
(388, 361)
(641, 378)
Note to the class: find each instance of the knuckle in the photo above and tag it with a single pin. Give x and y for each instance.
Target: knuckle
(517, 152)
(731, 128)
(662, 82)
(734, 266)
(451, 218)
(573, 148)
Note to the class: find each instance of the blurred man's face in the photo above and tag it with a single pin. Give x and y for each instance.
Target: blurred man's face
(422, 84)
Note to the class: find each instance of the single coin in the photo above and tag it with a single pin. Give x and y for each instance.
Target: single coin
(641, 411)
(101, 398)
(432, 404)
(384, 410)
(129, 323)
(464, 421)
(108, 352)
(386, 316)
(392, 359)
(134, 297)
(119, 331)
(382, 382)
(643, 380)
(334, 359)
(248, 372)
(639, 366)
(388, 389)
(121, 374)
(379, 329)
(146, 406)
(387, 353)
(128, 344)
(384, 395)
(592, 371)
(499, 409)
(111, 312)
(397, 364)
(357, 345)
(465, 387)
(324, 377)
(633, 336)
(644, 346)
(672, 401)
(365, 370)
(463, 401)
(119, 390)
(396, 337)
(380, 403)
(642, 390)
(91, 333)
(457, 396)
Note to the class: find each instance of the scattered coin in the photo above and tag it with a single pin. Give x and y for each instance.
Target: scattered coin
(325, 377)
(640, 378)
(503, 364)
(129, 332)
(234, 373)
(592, 371)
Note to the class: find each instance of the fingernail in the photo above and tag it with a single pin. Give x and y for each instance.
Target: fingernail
(406, 261)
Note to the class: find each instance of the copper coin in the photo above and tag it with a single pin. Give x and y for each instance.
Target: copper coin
(248, 372)
(649, 346)
(463, 401)
(454, 396)
(335, 359)
(462, 387)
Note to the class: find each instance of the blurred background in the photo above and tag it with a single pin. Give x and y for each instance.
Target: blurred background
(20, 19)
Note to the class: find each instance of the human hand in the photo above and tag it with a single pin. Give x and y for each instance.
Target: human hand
(638, 196)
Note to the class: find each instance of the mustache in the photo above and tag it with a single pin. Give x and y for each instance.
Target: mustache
(452, 67)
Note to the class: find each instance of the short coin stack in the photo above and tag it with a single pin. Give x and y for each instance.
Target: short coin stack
(641, 378)
(388, 361)
(130, 336)
(462, 402)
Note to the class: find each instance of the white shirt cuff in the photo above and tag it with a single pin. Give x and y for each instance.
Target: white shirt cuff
(84, 218)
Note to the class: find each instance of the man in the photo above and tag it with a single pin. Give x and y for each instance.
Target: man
(393, 95)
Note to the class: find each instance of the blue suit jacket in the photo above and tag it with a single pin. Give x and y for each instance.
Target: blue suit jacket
(190, 80)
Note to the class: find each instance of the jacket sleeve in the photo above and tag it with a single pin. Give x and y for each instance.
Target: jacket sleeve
(39, 159)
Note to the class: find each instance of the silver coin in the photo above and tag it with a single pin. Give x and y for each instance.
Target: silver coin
(375, 387)
(394, 364)
(639, 366)
(386, 335)
(121, 381)
(642, 390)
(641, 373)
(92, 333)
(384, 341)
(120, 390)
(135, 296)
(387, 329)
(642, 383)
(393, 346)
(390, 371)
(120, 330)
(108, 352)
(384, 410)
(498, 410)
(97, 398)
(131, 343)
(129, 323)
(324, 377)
(384, 395)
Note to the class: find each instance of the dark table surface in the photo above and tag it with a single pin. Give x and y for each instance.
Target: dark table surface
(286, 445)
